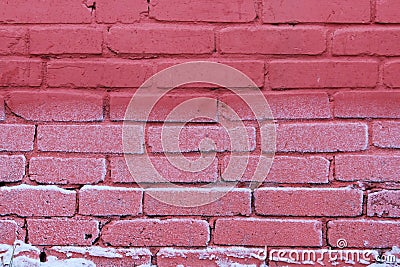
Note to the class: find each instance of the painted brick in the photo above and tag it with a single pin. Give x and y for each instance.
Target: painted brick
(13, 41)
(333, 202)
(390, 74)
(97, 73)
(20, 72)
(104, 201)
(16, 137)
(65, 40)
(272, 40)
(90, 138)
(268, 232)
(384, 203)
(12, 168)
(153, 232)
(322, 73)
(56, 106)
(386, 134)
(386, 11)
(124, 11)
(203, 10)
(371, 168)
(368, 104)
(37, 201)
(219, 202)
(326, 11)
(364, 233)
(53, 170)
(8, 233)
(62, 232)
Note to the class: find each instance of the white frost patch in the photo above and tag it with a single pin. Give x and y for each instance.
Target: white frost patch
(24, 261)
(20, 247)
(108, 188)
(37, 187)
(104, 252)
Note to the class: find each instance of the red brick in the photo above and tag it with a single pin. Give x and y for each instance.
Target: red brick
(163, 170)
(272, 40)
(52, 170)
(56, 106)
(13, 41)
(153, 232)
(333, 202)
(386, 134)
(190, 138)
(284, 169)
(197, 106)
(322, 73)
(12, 168)
(124, 11)
(212, 256)
(384, 203)
(387, 11)
(326, 11)
(253, 69)
(367, 41)
(318, 137)
(391, 74)
(2, 109)
(161, 39)
(37, 11)
(90, 138)
(268, 232)
(104, 201)
(37, 201)
(97, 73)
(369, 104)
(62, 232)
(217, 201)
(282, 105)
(371, 168)
(65, 40)
(8, 233)
(203, 10)
(16, 137)
(20, 72)
(364, 233)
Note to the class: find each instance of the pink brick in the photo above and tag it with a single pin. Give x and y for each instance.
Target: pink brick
(52, 170)
(153, 232)
(37, 11)
(212, 256)
(124, 11)
(387, 11)
(171, 107)
(217, 202)
(318, 137)
(391, 74)
(333, 202)
(384, 203)
(97, 73)
(90, 138)
(106, 201)
(369, 104)
(37, 201)
(163, 170)
(65, 40)
(364, 233)
(8, 233)
(203, 10)
(62, 232)
(56, 106)
(386, 134)
(12, 168)
(268, 232)
(272, 40)
(198, 138)
(20, 72)
(282, 106)
(322, 73)
(326, 11)
(371, 168)
(16, 137)
(161, 39)
(2, 109)
(284, 169)
(13, 41)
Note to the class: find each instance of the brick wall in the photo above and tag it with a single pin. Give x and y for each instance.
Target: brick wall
(329, 70)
